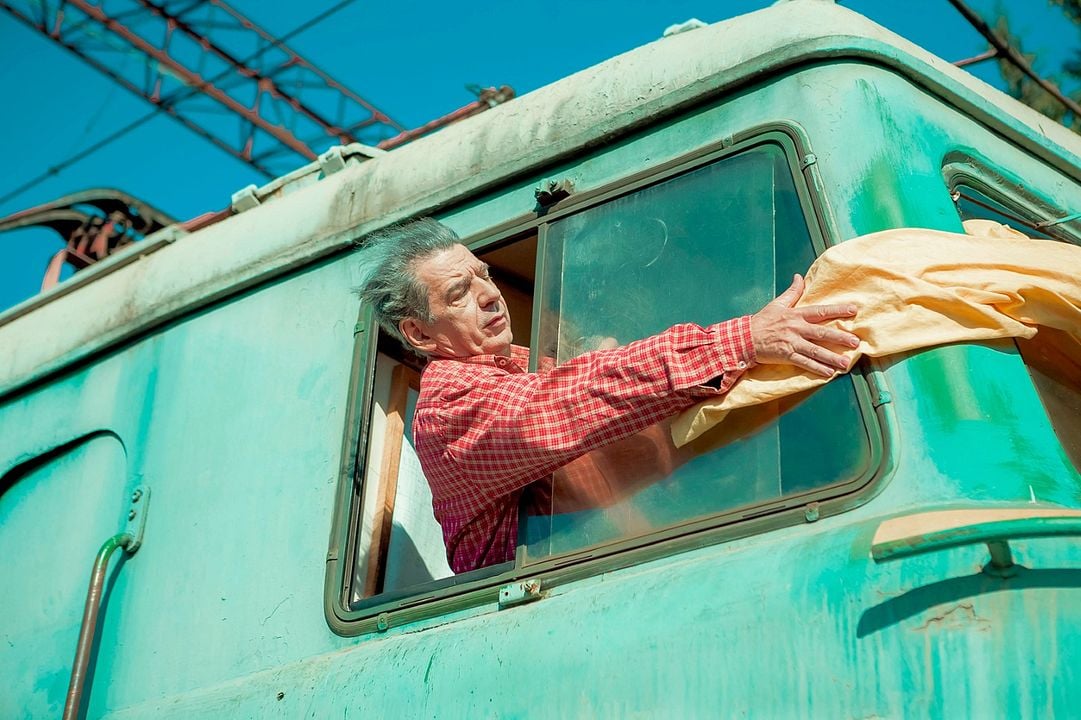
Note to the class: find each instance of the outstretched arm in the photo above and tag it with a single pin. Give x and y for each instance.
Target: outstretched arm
(508, 429)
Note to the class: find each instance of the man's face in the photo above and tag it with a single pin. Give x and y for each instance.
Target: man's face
(471, 317)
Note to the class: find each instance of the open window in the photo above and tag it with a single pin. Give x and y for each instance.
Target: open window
(707, 239)
(980, 192)
(971, 202)
(396, 542)
(1053, 366)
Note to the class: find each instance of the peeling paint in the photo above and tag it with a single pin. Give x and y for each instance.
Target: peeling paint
(958, 617)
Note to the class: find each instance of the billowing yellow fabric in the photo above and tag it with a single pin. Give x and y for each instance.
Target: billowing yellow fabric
(918, 288)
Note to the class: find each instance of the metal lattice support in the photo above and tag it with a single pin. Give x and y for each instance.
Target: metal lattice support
(216, 72)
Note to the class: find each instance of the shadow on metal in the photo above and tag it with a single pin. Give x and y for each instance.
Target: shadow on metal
(925, 597)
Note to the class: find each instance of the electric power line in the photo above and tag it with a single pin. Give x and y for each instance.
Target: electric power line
(56, 169)
(59, 167)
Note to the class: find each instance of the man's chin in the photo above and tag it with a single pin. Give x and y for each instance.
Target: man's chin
(500, 344)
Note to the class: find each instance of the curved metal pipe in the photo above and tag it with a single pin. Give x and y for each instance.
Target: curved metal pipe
(90, 622)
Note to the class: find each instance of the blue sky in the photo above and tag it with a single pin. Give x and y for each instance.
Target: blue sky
(411, 59)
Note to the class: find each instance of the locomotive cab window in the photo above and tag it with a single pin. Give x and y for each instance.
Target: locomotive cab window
(396, 542)
(711, 244)
(1052, 364)
(701, 242)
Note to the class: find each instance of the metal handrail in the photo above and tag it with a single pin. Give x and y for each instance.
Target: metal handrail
(90, 622)
(130, 540)
(995, 526)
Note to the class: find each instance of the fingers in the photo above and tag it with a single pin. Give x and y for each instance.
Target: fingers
(790, 296)
(820, 334)
(811, 354)
(822, 313)
(816, 368)
(818, 360)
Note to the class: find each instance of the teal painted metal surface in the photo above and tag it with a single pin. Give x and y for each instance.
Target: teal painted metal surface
(55, 509)
(227, 384)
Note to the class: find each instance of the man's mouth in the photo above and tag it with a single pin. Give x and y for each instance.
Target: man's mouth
(498, 318)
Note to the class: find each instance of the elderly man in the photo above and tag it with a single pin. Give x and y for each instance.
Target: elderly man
(486, 431)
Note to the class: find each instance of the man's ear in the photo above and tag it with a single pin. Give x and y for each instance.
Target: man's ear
(415, 334)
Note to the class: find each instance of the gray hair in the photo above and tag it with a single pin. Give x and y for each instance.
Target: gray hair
(392, 288)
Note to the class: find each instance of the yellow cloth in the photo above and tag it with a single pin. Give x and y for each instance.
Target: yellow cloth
(917, 288)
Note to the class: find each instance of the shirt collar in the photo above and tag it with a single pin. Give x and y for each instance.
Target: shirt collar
(519, 358)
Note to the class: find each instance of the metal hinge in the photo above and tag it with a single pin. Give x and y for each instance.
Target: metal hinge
(137, 507)
(879, 394)
(808, 160)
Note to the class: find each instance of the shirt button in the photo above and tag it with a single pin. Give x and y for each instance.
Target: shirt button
(741, 365)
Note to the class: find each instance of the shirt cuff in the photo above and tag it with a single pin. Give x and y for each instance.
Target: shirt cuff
(735, 353)
(735, 343)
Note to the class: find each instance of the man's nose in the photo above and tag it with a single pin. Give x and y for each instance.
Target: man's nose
(488, 292)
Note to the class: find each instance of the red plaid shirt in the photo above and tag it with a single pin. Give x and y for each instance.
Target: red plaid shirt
(485, 429)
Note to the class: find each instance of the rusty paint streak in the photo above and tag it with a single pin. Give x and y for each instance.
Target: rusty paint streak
(958, 616)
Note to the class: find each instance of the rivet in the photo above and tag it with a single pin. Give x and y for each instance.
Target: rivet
(382, 622)
(131, 514)
(136, 496)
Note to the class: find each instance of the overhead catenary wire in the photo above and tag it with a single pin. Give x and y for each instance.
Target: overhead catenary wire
(55, 170)
(166, 102)
(1000, 48)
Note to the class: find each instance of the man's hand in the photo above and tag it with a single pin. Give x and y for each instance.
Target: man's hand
(783, 334)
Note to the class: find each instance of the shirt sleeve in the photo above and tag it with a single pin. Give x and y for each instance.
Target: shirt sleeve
(504, 431)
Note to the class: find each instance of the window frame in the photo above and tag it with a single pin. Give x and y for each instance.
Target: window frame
(480, 587)
(999, 186)
(971, 170)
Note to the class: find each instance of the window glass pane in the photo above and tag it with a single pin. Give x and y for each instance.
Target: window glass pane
(1053, 366)
(708, 245)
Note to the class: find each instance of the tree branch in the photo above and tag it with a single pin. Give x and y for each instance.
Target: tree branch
(1005, 50)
